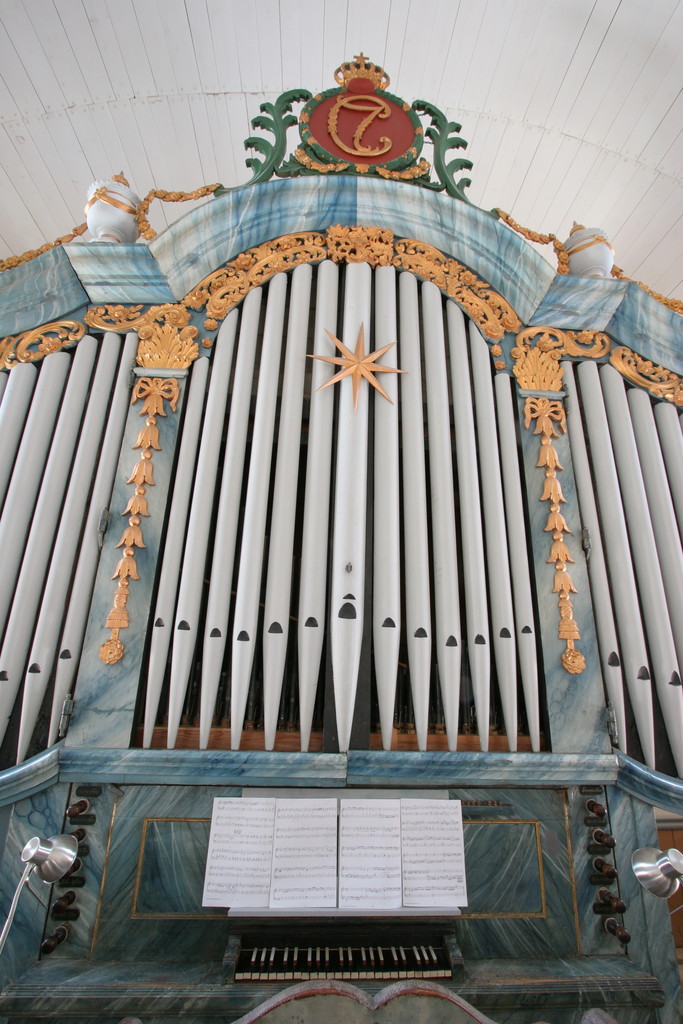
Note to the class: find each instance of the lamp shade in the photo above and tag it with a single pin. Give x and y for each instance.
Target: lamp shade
(658, 871)
(52, 857)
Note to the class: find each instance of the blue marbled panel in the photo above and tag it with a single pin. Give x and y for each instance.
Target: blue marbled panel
(106, 695)
(37, 292)
(580, 303)
(116, 272)
(576, 704)
(445, 769)
(649, 328)
(508, 263)
(212, 234)
(648, 785)
(31, 776)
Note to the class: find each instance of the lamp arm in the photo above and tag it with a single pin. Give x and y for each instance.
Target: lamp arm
(13, 907)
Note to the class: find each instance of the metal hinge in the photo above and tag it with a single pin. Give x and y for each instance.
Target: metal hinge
(105, 516)
(612, 723)
(586, 542)
(67, 712)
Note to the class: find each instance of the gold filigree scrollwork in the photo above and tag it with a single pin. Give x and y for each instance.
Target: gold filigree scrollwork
(30, 346)
(548, 415)
(153, 392)
(224, 288)
(492, 314)
(535, 236)
(659, 382)
(167, 339)
(407, 174)
(314, 165)
(538, 351)
(360, 245)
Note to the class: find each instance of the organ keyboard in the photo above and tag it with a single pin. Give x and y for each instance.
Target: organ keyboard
(351, 951)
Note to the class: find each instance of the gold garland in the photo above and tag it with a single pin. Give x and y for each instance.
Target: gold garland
(535, 236)
(15, 261)
(537, 366)
(153, 392)
(144, 227)
(546, 413)
(675, 305)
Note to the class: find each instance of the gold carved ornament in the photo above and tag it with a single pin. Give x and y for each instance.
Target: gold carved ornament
(675, 305)
(31, 346)
(153, 392)
(144, 227)
(659, 382)
(538, 351)
(167, 339)
(548, 416)
(534, 236)
(223, 289)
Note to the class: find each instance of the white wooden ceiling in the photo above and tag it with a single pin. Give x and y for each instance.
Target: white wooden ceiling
(573, 109)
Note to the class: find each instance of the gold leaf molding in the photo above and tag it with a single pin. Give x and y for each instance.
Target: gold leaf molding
(538, 351)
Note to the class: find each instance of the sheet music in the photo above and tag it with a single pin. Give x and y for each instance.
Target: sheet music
(433, 854)
(370, 854)
(238, 863)
(304, 868)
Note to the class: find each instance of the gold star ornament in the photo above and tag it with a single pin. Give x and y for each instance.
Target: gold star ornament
(357, 365)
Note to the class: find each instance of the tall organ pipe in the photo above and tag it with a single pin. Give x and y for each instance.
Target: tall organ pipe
(418, 619)
(660, 505)
(521, 583)
(220, 592)
(315, 534)
(500, 584)
(617, 546)
(648, 572)
(256, 508)
(28, 472)
(281, 547)
(54, 595)
(476, 608)
(43, 527)
(196, 545)
(173, 547)
(347, 594)
(71, 642)
(386, 597)
(597, 570)
(670, 430)
(447, 634)
(15, 402)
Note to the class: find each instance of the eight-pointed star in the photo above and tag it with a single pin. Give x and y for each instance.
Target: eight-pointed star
(358, 365)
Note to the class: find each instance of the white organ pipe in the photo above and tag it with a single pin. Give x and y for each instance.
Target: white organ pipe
(256, 508)
(15, 402)
(28, 472)
(71, 642)
(173, 547)
(315, 534)
(197, 541)
(386, 603)
(418, 620)
(646, 561)
(347, 596)
(500, 584)
(671, 439)
(223, 560)
(620, 567)
(44, 524)
(597, 570)
(447, 634)
(661, 510)
(474, 571)
(281, 547)
(53, 598)
(519, 562)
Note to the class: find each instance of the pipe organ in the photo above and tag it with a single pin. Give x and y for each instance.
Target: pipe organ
(336, 487)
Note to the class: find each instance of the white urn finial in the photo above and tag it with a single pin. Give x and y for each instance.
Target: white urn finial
(590, 254)
(110, 210)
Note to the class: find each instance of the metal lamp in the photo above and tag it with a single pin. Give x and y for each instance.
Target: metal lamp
(49, 859)
(658, 871)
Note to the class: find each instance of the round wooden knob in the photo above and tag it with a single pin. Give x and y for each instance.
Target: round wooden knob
(49, 944)
(605, 868)
(614, 928)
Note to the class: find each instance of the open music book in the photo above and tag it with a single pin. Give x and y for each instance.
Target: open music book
(326, 853)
